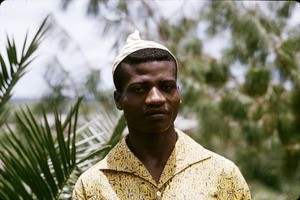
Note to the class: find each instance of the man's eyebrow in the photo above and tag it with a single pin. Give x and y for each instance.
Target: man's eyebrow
(168, 81)
(147, 82)
(173, 80)
(137, 83)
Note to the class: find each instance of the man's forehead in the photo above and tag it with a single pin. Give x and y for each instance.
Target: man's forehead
(162, 66)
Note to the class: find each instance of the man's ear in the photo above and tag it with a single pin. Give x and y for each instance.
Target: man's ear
(117, 97)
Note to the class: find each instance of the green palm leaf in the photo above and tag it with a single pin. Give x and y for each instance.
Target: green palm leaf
(44, 164)
(11, 73)
(37, 162)
(94, 140)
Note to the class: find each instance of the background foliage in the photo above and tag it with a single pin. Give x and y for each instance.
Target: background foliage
(244, 98)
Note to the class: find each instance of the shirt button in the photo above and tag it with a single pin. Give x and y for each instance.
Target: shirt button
(158, 193)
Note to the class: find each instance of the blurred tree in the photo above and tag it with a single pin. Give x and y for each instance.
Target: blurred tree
(64, 85)
(14, 69)
(252, 117)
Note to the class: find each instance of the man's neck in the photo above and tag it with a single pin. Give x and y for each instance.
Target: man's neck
(152, 149)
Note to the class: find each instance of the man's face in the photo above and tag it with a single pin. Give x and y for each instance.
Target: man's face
(150, 98)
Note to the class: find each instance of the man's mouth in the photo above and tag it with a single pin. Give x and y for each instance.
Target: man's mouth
(156, 112)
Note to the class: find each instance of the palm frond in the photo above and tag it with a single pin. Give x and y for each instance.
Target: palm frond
(11, 72)
(39, 164)
(93, 141)
(38, 160)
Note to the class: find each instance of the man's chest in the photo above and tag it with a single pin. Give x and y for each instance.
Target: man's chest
(190, 184)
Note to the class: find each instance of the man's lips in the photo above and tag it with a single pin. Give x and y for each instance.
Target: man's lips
(151, 112)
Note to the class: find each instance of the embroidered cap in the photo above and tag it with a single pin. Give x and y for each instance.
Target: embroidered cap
(135, 43)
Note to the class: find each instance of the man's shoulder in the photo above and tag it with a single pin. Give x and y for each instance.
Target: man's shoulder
(213, 158)
(94, 170)
(222, 165)
(220, 160)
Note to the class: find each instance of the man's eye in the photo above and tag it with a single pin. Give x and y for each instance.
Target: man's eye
(137, 89)
(168, 87)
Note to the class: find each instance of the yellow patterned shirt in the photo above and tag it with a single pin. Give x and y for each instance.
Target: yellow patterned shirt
(191, 172)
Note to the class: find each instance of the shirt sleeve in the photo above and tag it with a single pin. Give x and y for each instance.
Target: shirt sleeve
(232, 185)
(79, 191)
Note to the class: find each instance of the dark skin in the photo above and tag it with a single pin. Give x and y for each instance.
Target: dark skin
(150, 100)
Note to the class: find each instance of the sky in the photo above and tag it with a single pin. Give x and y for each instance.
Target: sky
(19, 16)
(87, 49)
(16, 18)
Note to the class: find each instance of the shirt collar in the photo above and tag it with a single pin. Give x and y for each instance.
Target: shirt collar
(186, 152)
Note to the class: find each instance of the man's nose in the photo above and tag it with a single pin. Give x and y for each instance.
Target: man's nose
(155, 97)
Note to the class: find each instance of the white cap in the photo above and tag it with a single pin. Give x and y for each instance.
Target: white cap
(135, 43)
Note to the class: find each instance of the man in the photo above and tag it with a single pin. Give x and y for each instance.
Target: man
(155, 160)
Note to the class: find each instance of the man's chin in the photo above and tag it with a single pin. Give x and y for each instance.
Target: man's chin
(156, 128)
